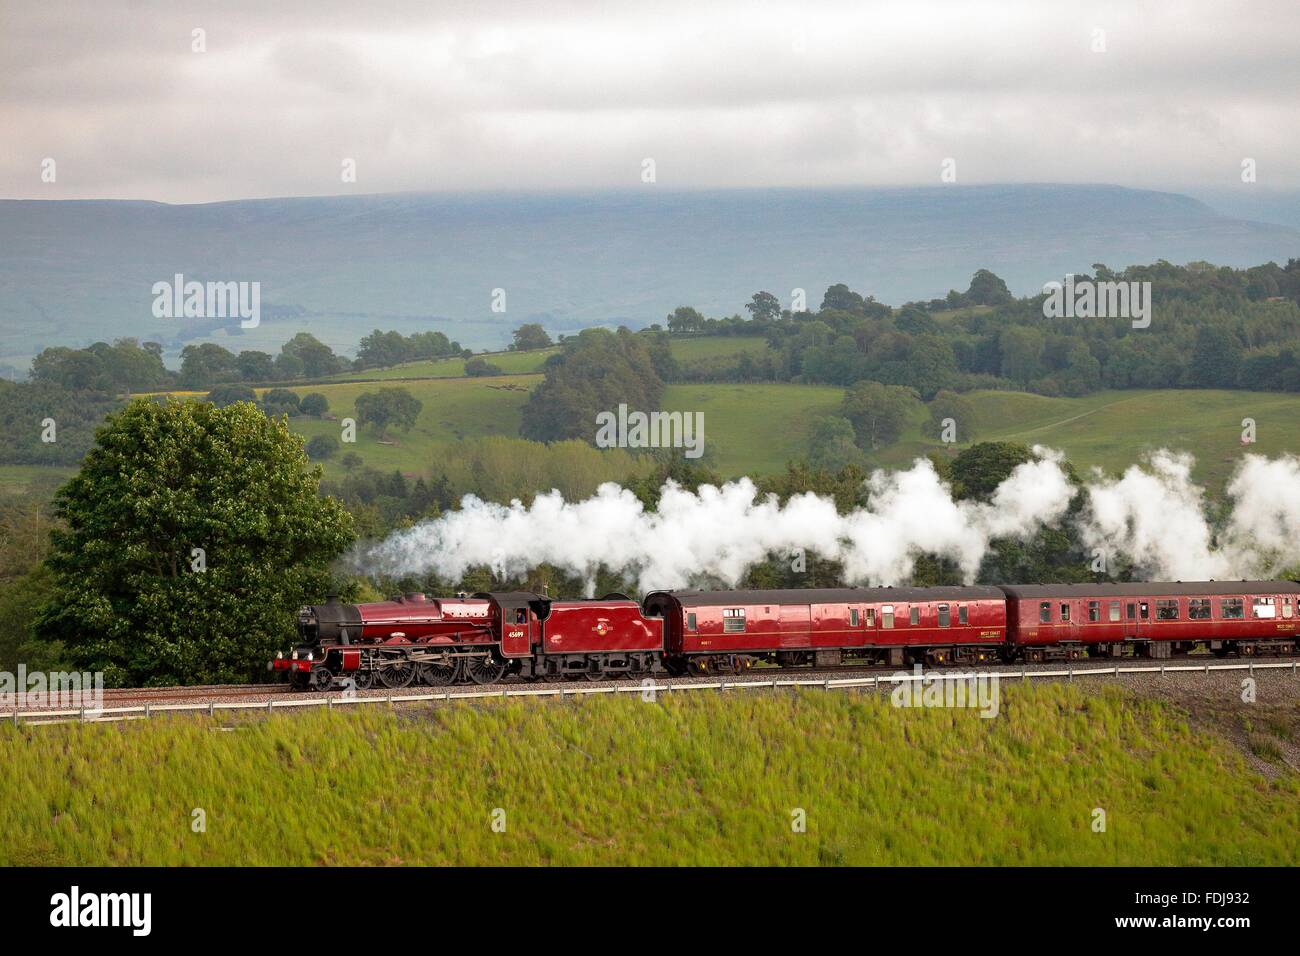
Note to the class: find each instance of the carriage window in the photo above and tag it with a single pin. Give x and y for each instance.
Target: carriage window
(945, 615)
(1231, 608)
(1094, 611)
(853, 617)
(691, 623)
(733, 620)
(1264, 607)
(962, 616)
(1198, 609)
(871, 617)
(1114, 610)
(914, 617)
(1166, 610)
(1286, 607)
(1045, 613)
(887, 615)
(1132, 611)
(1144, 611)
(1065, 613)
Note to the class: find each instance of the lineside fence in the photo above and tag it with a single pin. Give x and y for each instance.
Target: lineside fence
(874, 683)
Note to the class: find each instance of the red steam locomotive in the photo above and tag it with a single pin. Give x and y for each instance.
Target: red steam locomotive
(480, 639)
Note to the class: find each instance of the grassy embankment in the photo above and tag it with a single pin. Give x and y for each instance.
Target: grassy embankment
(698, 779)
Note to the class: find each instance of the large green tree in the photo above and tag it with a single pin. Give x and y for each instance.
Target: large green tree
(977, 471)
(530, 335)
(597, 371)
(879, 413)
(191, 535)
(318, 359)
(388, 406)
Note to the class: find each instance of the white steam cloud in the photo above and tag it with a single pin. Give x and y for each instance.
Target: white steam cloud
(1157, 517)
(1153, 515)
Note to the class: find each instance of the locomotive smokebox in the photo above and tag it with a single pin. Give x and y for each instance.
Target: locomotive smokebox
(329, 623)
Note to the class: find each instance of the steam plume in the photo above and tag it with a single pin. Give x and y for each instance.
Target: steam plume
(1153, 514)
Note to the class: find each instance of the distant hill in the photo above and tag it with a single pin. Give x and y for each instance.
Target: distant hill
(72, 272)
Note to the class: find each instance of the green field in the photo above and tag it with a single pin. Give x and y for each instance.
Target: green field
(510, 363)
(696, 779)
(18, 479)
(754, 429)
(1113, 430)
(684, 349)
(454, 408)
(749, 429)
(688, 349)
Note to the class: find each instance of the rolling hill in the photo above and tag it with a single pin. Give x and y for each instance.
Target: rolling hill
(73, 272)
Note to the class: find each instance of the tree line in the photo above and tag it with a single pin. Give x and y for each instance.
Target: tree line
(1214, 327)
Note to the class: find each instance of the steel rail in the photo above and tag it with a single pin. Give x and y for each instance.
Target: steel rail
(874, 682)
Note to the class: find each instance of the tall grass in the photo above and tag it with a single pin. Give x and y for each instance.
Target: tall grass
(697, 779)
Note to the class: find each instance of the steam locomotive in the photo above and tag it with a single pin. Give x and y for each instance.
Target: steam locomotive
(481, 638)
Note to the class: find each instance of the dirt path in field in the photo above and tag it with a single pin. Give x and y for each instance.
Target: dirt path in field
(1072, 418)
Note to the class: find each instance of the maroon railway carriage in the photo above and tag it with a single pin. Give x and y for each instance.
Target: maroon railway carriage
(1151, 619)
(727, 630)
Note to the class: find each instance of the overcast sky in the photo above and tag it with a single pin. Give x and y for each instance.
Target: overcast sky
(482, 95)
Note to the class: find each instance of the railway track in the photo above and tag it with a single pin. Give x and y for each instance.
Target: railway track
(134, 702)
(196, 692)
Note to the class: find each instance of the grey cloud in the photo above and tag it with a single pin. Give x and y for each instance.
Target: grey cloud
(456, 95)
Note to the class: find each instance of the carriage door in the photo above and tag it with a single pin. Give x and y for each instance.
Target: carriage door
(1137, 617)
(796, 625)
(516, 631)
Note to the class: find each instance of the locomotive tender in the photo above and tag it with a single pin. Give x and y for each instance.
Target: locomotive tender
(482, 638)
